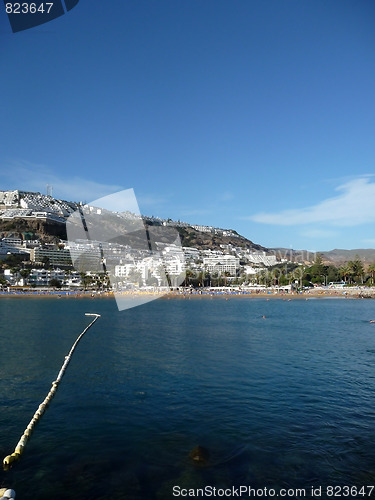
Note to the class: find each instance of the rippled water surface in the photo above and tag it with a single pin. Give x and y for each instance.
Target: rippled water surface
(283, 402)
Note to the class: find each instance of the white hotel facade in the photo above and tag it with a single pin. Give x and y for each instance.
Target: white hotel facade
(222, 264)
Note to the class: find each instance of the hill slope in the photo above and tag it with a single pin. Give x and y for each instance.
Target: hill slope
(12, 224)
(340, 256)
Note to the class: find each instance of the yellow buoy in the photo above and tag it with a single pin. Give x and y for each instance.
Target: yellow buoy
(9, 459)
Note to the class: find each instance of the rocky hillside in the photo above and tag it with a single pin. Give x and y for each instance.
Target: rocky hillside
(32, 229)
(190, 237)
(52, 232)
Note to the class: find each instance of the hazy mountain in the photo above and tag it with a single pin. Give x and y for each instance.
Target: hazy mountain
(340, 256)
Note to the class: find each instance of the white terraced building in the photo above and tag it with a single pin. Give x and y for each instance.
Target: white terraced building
(55, 256)
(12, 241)
(33, 203)
(175, 266)
(151, 267)
(146, 267)
(43, 203)
(42, 277)
(9, 199)
(7, 247)
(191, 253)
(222, 264)
(203, 229)
(262, 258)
(17, 213)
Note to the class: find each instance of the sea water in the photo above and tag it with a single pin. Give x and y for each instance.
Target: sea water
(285, 401)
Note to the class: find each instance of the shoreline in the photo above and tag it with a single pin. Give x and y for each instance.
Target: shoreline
(354, 293)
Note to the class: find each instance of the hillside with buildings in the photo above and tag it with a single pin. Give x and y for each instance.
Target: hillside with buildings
(32, 216)
(33, 228)
(132, 251)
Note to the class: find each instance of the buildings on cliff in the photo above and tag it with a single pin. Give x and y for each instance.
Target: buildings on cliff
(124, 262)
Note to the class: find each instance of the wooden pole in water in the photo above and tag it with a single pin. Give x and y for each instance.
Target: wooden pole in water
(8, 460)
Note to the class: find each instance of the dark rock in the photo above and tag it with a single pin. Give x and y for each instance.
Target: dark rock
(200, 455)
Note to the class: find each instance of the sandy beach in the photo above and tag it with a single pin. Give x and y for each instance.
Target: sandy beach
(351, 293)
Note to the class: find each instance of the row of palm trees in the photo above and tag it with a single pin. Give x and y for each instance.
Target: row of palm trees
(352, 272)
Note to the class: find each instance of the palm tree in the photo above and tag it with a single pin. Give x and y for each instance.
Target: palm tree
(188, 276)
(277, 272)
(264, 277)
(226, 275)
(357, 268)
(87, 280)
(215, 277)
(297, 274)
(345, 272)
(25, 273)
(371, 270)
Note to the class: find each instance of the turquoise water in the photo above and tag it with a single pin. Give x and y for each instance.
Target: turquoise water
(283, 402)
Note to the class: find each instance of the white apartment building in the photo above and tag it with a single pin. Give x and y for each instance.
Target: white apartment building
(253, 271)
(12, 241)
(13, 246)
(262, 258)
(203, 229)
(13, 278)
(56, 256)
(175, 266)
(191, 253)
(146, 267)
(9, 199)
(211, 253)
(222, 264)
(42, 277)
(123, 270)
(172, 249)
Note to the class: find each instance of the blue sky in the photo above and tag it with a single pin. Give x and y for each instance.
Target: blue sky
(252, 115)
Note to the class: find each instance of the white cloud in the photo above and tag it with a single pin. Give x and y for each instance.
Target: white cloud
(319, 233)
(355, 205)
(29, 176)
